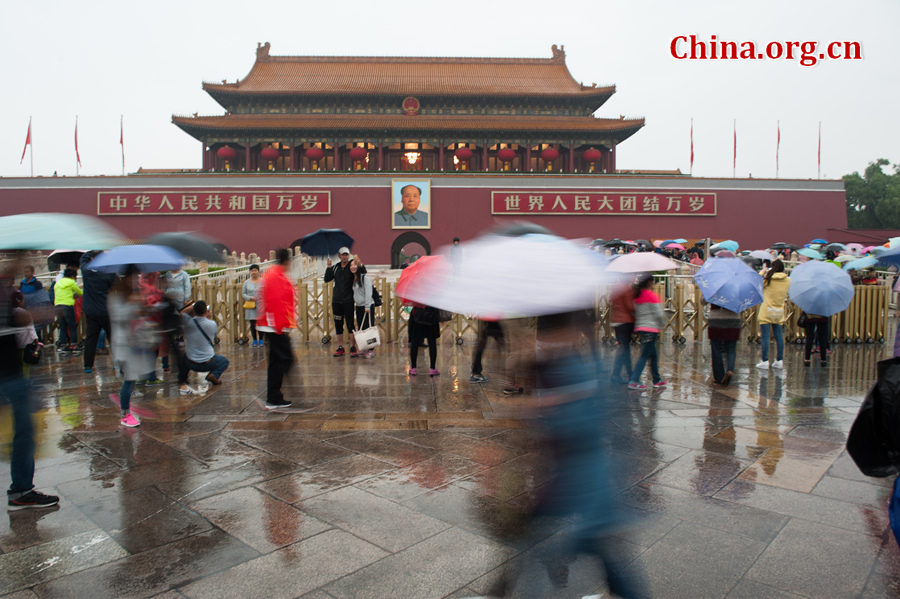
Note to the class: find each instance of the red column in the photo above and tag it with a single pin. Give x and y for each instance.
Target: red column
(290, 161)
(572, 158)
(380, 156)
(337, 157)
(247, 157)
(205, 158)
(484, 156)
(441, 156)
(612, 160)
(527, 166)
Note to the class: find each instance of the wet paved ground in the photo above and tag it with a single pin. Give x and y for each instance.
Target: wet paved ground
(377, 484)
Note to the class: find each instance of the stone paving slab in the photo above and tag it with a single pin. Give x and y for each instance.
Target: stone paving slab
(378, 484)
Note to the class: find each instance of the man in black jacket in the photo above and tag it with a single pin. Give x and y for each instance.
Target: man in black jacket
(342, 297)
(96, 290)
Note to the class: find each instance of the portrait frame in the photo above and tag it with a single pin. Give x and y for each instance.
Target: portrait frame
(398, 219)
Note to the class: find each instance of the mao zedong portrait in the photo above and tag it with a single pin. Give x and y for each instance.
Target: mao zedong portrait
(410, 215)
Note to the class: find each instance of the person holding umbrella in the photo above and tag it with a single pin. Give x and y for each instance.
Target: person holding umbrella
(771, 313)
(342, 305)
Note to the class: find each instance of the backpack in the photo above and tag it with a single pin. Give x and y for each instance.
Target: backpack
(376, 297)
(874, 439)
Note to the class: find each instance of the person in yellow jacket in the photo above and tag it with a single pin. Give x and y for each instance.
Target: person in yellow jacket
(64, 293)
(771, 313)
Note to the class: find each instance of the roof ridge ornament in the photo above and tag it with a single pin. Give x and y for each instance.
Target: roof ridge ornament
(559, 53)
(262, 51)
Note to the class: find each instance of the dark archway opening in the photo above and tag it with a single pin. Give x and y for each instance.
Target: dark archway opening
(407, 248)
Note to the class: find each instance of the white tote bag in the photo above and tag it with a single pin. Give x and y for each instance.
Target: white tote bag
(367, 339)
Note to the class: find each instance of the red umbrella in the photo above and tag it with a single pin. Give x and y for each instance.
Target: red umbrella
(426, 273)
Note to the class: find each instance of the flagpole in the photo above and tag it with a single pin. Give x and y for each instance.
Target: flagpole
(819, 153)
(77, 158)
(691, 171)
(777, 147)
(31, 150)
(122, 140)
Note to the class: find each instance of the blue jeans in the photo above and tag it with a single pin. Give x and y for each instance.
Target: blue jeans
(722, 351)
(65, 317)
(648, 353)
(125, 395)
(15, 389)
(779, 340)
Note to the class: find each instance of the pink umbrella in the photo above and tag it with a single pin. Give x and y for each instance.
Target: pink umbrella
(657, 242)
(867, 249)
(673, 246)
(641, 262)
(855, 248)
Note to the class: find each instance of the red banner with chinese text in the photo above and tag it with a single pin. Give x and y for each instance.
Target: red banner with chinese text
(230, 202)
(613, 203)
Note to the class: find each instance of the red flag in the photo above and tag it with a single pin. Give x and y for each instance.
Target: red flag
(77, 155)
(734, 152)
(777, 148)
(27, 141)
(692, 145)
(122, 140)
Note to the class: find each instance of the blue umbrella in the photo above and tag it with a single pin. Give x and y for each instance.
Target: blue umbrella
(680, 240)
(820, 288)
(728, 244)
(810, 253)
(890, 257)
(325, 242)
(48, 231)
(818, 240)
(861, 263)
(147, 258)
(730, 283)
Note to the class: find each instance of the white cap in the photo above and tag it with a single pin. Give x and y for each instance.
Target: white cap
(344, 250)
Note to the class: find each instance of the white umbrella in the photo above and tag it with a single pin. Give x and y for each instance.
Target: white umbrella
(530, 275)
(641, 262)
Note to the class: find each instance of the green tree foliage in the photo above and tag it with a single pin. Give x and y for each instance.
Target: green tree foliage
(873, 199)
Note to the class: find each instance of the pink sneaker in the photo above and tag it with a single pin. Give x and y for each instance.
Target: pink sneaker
(413, 372)
(130, 421)
(434, 372)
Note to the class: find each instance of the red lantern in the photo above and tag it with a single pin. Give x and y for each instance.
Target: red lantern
(358, 153)
(314, 153)
(592, 155)
(550, 154)
(226, 153)
(506, 154)
(270, 154)
(463, 153)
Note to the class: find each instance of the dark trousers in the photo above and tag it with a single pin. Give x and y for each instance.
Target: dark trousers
(65, 317)
(343, 314)
(365, 315)
(281, 357)
(94, 325)
(415, 339)
(623, 332)
(817, 333)
(485, 330)
(724, 355)
(253, 334)
(15, 390)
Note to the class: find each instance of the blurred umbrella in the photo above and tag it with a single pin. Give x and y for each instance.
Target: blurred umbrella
(855, 248)
(501, 276)
(680, 240)
(521, 228)
(147, 258)
(843, 258)
(643, 243)
(728, 244)
(820, 288)
(890, 257)
(615, 242)
(192, 245)
(641, 262)
(425, 273)
(325, 242)
(810, 253)
(860, 263)
(657, 243)
(893, 242)
(818, 240)
(58, 257)
(835, 247)
(673, 246)
(46, 230)
(667, 242)
(761, 255)
(730, 283)
(877, 250)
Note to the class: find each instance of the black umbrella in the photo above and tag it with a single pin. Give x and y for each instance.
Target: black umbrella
(783, 246)
(521, 228)
(59, 257)
(192, 245)
(325, 242)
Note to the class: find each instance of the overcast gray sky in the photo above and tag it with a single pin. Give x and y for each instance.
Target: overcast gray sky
(146, 61)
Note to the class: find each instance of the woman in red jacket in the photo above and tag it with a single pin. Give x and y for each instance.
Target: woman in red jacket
(275, 309)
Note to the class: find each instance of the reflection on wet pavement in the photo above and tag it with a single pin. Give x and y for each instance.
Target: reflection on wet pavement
(378, 484)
